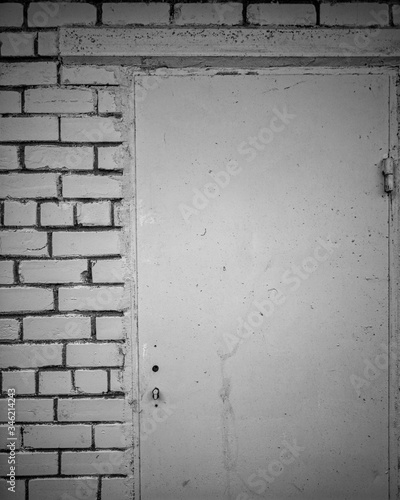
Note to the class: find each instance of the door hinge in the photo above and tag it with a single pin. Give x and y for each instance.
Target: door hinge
(388, 171)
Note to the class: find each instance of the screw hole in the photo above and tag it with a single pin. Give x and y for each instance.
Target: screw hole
(155, 368)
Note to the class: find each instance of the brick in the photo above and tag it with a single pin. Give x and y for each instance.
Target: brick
(9, 329)
(91, 410)
(28, 73)
(23, 381)
(59, 100)
(120, 14)
(11, 15)
(88, 243)
(109, 328)
(57, 214)
(91, 298)
(94, 214)
(214, 13)
(56, 327)
(107, 101)
(33, 464)
(29, 410)
(30, 356)
(59, 158)
(28, 185)
(48, 43)
(24, 243)
(24, 299)
(6, 272)
(46, 14)
(55, 382)
(91, 381)
(66, 488)
(94, 355)
(92, 186)
(10, 101)
(396, 15)
(52, 271)
(9, 157)
(95, 462)
(282, 14)
(17, 44)
(58, 436)
(110, 270)
(19, 213)
(90, 129)
(44, 128)
(4, 434)
(117, 381)
(5, 494)
(116, 487)
(354, 14)
(112, 435)
(89, 75)
(111, 158)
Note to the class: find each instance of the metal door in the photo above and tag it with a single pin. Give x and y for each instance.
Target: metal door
(262, 238)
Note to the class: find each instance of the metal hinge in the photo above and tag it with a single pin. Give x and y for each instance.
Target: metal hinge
(388, 170)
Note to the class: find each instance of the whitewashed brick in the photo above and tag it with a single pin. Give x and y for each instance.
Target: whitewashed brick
(68, 488)
(116, 487)
(30, 356)
(24, 299)
(60, 158)
(93, 409)
(92, 186)
(59, 100)
(19, 213)
(19, 494)
(57, 436)
(281, 14)
(354, 14)
(95, 462)
(11, 15)
(29, 410)
(94, 355)
(20, 44)
(110, 158)
(88, 243)
(57, 214)
(56, 327)
(33, 464)
(117, 381)
(24, 243)
(90, 129)
(10, 101)
(46, 14)
(208, 13)
(108, 271)
(17, 185)
(55, 382)
(89, 75)
(48, 43)
(52, 271)
(112, 435)
(109, 328)
(9, 329)
(91, 298)
(43, 128)
(121, 14)
(94, 214)
(396, 14)
(4, 434)
(6, 272)
(28, 73)
(107, 101)
(23, 381)
(9, 157)
(91, 381)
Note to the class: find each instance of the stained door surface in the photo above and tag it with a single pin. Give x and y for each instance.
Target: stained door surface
(262, 238)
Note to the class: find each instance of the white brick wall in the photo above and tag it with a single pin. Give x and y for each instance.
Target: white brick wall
(28, 73)
(58, 100)
(16, 129)
(52, 271)
(56, 327)
(11, 14)
(88, 243)
(60, 158)
(58, 436)
(9, 158)
(121, 14)
(20, 213)
(46, 14)
(43, 489)
(10, 101)
(94, 355)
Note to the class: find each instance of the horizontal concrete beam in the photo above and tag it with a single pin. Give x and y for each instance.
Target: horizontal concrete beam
(378, 43)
